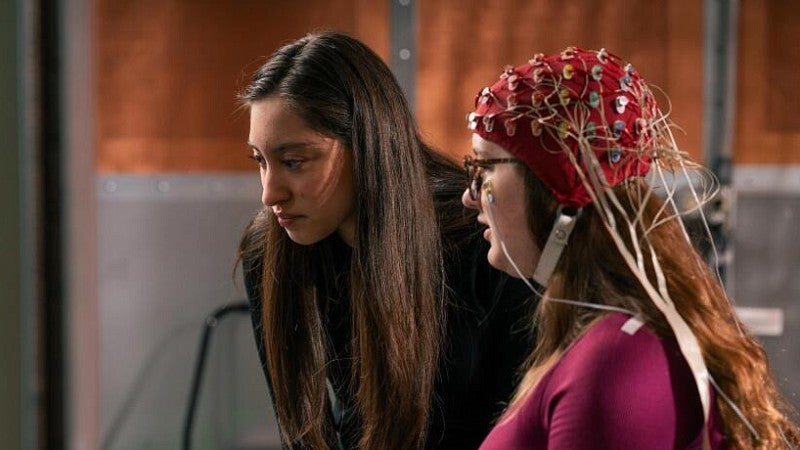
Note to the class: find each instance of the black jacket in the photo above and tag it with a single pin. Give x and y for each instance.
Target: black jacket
(488, 338)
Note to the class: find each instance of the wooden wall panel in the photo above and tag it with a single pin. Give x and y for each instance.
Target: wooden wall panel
(167, 72)
(768, 93)
(465, 44)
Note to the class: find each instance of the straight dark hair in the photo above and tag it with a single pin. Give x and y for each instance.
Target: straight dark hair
(342, 89)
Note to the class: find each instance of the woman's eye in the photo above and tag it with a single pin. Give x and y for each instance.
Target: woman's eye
(257, 158)
(292, 164)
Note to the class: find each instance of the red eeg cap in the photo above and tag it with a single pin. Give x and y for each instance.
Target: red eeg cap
(565, 104)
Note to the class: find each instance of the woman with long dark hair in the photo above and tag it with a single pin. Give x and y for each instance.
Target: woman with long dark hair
(638, 346)
(375, 312)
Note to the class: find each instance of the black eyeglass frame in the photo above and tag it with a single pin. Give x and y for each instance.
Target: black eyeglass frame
(474, 167)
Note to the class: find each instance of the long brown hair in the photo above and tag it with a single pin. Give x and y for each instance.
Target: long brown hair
(342, 89)
(591, 269)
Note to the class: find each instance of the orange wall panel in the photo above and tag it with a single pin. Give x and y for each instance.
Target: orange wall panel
(768, 93)
(167, 72)
(465, 44)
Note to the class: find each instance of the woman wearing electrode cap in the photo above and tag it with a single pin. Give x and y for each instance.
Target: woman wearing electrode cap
(377, 317)
(637, 346)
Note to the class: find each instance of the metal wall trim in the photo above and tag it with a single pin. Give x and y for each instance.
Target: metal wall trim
(173, 186)
(79, 226)
(403, 46)
(719, 81)
(28, 60)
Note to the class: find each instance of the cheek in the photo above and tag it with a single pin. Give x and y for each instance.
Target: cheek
(516, 227)
(343, 197)
(509, 210)
(343, 186)
(330, 195)
(327, 185)
(526, 238)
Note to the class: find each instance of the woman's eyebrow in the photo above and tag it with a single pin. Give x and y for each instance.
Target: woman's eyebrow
(282, 147)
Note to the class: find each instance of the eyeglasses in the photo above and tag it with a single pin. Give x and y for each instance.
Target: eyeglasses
(475, 167)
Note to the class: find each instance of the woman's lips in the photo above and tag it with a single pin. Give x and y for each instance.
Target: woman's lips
(487, 234)
(286, 220)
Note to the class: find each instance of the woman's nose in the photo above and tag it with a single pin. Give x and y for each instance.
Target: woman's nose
(467, 200)
(273, 190)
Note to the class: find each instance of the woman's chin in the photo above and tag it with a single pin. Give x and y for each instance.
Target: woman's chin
(498, 260)
(304, 238)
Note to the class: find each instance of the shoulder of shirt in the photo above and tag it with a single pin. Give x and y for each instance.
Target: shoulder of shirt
(607, 348)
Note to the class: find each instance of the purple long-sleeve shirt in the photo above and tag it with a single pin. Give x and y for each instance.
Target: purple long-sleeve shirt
(611, 390)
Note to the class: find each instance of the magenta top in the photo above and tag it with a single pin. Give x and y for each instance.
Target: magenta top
(611, 390)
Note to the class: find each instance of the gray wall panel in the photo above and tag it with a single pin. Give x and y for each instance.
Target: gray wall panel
(166, 251)
(166, 248)
(766, 263)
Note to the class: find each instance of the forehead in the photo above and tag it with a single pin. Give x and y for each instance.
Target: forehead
(488, 149)
(272, 119)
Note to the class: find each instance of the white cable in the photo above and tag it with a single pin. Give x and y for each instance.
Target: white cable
(498, 233)
(735, 408)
